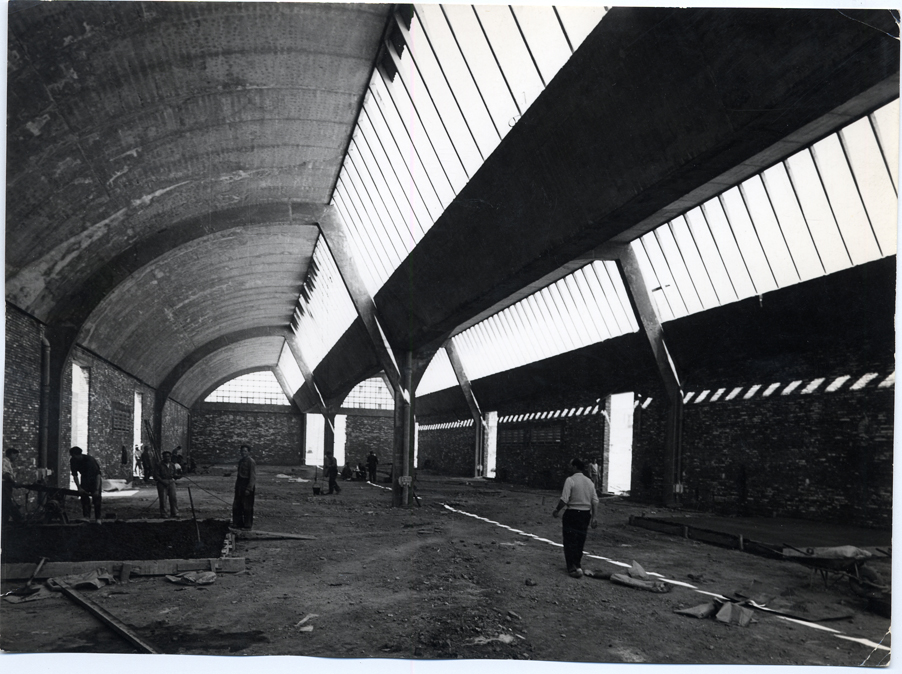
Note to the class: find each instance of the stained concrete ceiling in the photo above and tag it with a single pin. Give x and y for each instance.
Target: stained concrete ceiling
(167, 162)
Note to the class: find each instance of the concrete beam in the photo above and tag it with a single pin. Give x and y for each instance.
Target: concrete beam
(464, 381)
(335, 234)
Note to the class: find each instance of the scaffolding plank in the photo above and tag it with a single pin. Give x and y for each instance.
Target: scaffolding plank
(109, 620)
(145, 567)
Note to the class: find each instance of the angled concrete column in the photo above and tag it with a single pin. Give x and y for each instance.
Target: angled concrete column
(479, 462)
(643, 306)
(60, 340)
(333, 230)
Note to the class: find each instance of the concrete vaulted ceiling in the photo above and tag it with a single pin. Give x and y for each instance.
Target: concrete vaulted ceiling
(167, 163)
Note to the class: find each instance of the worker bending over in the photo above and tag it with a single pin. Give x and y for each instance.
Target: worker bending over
(88, 481)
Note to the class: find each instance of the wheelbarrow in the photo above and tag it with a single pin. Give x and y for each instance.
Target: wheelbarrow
(836, 563)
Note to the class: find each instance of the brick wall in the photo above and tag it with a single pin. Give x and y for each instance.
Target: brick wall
(368, 433)
(22, 386)
(111, 408)
(449, 451)
(274, 432)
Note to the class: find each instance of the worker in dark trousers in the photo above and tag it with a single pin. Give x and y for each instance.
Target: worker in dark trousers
(332, 474)
(579, 503)
(165, 474)
(372, 461)
(88, 481)
(245, 487)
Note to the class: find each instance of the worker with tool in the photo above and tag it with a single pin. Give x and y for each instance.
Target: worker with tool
(165, 473)
(10, 507)
(88, 481)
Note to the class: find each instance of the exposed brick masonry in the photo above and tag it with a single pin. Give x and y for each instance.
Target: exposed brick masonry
(274, 432)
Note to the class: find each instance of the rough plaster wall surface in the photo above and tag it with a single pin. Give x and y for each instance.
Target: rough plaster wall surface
(22, 386)
(365, 434)
(274, 433)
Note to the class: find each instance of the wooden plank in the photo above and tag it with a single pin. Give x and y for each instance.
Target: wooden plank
(109, 620)
(145, 567)
(270, 536)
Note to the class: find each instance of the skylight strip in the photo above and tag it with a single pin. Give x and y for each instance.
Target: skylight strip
(511, 53)
(596, 277)
(885, 123)
(374, 252)
(443, 96)
(580, 289)
(539, 329)
(390, 220)
(792, 386)
(837, 383)
(710, 255)
(695, 266)
(406, 147)
(889, 381)
(873, 182)
(372, 268)
(417, 91)
(729, 249)
(809, 190)
(422, 141)
(770, 389)
(792, 222)
(544, 37)
(845, 205)
(516, 312)
(751, 392)
(773, 243)
(863, 381)
(701, 396)
(501, 350)
(678, 271)
(556, 320)
(813, 386)
(577, 327)
(459, 76)
(579, 21)
(406, 196)
(653, 283)
(748, 241)
(489, 79)
(612, 271)
(717, 394)
(370, 206)
(668, 284)
(417, 193)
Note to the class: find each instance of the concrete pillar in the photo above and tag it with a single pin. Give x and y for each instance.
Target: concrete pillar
(61, 341)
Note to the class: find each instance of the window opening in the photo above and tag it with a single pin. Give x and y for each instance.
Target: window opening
(136, 430)
(81, 386)
(771, 389)
(837, 383)
(256, 388)
(618, 459)
(864, 381)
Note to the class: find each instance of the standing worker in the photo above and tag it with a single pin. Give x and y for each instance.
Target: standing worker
(147, 464)
(165, 474)
(88, 481)
(245, 486)
(594, 473)
(10, 507)
(332, 474)
(579, 502)
(372, 461)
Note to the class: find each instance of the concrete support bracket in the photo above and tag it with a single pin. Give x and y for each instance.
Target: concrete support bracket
(464, 381)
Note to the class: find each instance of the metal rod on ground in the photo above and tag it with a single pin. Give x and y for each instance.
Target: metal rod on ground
(109, 620)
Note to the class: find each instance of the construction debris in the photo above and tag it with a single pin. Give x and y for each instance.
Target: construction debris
(649, 585)
(193, 578)
(700, 611)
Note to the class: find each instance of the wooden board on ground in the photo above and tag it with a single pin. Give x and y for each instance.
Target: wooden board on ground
(246, 534)
(140, 567)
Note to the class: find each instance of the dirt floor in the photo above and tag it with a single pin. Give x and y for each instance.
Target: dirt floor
(431, 583)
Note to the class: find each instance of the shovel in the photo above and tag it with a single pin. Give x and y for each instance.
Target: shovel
(199, 545)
